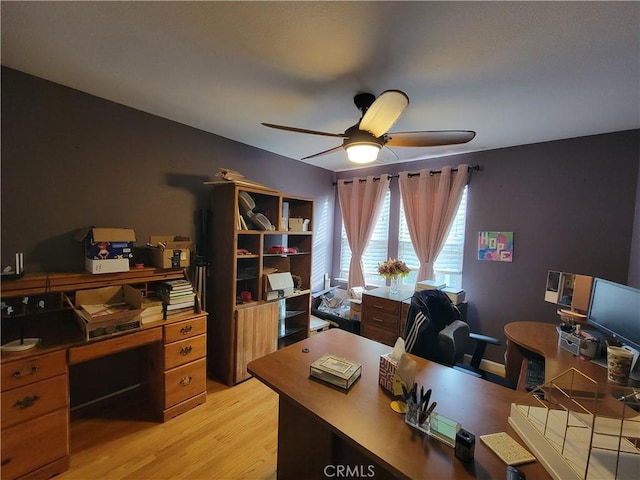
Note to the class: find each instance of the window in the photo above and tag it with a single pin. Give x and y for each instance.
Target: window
(448, 266)
(376, 251)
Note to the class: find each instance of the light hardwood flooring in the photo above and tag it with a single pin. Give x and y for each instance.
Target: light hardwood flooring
(231, 436)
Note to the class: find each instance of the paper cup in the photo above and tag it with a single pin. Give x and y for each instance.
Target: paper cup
(619, 364)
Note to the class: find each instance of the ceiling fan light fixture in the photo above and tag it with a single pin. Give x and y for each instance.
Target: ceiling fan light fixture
(362, 152)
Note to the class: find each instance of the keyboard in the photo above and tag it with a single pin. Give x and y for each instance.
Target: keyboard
(535, 373)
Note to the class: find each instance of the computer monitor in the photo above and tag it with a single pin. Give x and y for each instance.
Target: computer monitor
(615, 310)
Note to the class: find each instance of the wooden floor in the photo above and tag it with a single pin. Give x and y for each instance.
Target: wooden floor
(232, 436)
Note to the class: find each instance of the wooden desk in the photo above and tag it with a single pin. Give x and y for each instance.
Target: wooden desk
(174, 378)
(322, 428)
(542, 338)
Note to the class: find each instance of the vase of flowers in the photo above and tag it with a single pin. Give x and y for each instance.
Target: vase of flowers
(393, 269)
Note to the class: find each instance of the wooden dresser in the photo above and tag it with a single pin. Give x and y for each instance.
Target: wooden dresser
(382, 314)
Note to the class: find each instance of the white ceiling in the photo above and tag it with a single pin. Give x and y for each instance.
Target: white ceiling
(515, 72)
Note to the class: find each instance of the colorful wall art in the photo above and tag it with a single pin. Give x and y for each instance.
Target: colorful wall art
(495, 246)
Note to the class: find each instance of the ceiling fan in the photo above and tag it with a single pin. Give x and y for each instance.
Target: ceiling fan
(363, 141)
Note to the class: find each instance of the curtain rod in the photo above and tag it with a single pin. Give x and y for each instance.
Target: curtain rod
(475, 168)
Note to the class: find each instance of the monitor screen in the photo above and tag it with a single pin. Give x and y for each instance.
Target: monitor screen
(615, 309)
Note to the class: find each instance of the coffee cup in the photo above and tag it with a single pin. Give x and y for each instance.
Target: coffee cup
(618, 364)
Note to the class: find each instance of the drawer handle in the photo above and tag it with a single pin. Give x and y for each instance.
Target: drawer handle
(186, 380)
(186, 350)
(378, 319)
(26, 402)
(379, 307)
(26, 371)
(186, 330)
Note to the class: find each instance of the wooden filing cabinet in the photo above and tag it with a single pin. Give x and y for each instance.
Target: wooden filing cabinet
(382, 314)
(35, 416)
(256, 335)
(185, 365)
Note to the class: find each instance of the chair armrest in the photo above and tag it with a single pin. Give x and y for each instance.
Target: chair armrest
(481, 345)
(452, 342)
(485, 339)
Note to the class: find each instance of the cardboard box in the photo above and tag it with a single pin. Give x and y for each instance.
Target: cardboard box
(355, 310)
(298, 225)
(388, 367)
(107, 243)
(278, 285)
(169, 251)
(107, 266)
(111, 321)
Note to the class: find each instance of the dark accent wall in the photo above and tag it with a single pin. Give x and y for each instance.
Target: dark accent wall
(70, 160)
(571, 205)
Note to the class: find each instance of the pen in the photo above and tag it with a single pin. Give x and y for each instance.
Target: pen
(426, 397)
(430, 410)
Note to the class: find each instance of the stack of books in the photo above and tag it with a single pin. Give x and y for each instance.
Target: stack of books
(152, 309)
(177, 296)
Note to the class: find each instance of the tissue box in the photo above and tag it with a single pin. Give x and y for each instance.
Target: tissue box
(388, 368)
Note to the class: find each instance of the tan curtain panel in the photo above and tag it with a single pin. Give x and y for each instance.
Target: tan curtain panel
(360, 203)
(430, 203)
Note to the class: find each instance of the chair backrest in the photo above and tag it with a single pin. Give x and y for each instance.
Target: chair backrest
(429, 313)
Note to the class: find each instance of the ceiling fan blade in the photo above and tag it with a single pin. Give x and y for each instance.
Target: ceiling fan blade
(304, 130)
(331, 150)
(384, 112)
(429, 138)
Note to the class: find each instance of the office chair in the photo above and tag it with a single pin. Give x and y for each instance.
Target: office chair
(435, 331)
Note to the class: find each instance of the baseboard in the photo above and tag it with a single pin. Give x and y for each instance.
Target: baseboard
(489, 366)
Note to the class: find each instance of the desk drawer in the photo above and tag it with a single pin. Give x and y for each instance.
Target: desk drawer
(35, 399)
(380, 305)
(32, 444)
(33, 369)
(188, 328)
(184, 351)
(379, 334)
(184, 382)
(386, 321)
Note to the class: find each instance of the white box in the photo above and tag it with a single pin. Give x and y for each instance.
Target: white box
(111, 265)
(429, 285)
(278, 285)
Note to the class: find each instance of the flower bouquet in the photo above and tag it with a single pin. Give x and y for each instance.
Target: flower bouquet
(393, 268)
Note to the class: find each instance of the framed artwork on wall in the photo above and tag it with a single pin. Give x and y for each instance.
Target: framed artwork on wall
(495, 246)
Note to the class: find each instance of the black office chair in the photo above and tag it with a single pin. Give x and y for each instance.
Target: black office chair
(435, 331)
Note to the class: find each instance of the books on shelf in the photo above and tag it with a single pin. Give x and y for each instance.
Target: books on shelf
(336, 370)
(177, 296)
(176, 292)
(176, 285)
(152, 309)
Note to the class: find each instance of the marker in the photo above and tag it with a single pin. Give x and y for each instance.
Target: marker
(430, 410)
